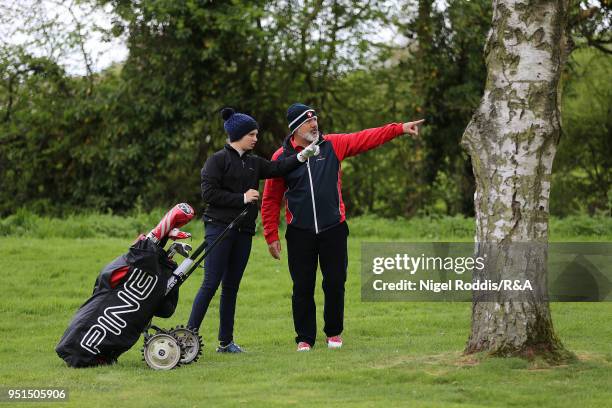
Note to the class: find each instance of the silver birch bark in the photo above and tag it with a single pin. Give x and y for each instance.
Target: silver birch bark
(512, 140)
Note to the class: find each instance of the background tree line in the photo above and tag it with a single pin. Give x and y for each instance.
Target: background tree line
(137, 133)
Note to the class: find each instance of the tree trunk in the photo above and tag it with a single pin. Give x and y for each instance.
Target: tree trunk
(512, 140)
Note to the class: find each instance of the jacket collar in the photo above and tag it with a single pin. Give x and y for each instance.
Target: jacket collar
(231, 149)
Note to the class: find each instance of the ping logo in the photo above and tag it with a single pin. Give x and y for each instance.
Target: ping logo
(137, 288)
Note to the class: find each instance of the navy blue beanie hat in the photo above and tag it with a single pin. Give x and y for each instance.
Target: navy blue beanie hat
(297, 114)
(237, 124)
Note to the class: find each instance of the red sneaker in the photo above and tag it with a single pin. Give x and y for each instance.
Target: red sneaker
(334, 342)
(303, 346)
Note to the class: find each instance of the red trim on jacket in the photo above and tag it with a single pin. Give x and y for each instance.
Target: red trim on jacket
(344, 145)
(351, 144)
(274, 190)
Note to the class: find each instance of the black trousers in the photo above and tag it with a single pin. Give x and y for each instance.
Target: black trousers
(305, 250)
(225, 265)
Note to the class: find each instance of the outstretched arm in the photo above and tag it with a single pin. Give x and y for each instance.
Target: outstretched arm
(351, 144)
(277, 168)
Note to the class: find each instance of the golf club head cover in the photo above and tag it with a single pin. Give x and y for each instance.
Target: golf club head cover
(178, 234)
(178, 216)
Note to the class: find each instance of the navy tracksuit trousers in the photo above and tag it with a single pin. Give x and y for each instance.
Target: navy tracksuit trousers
(225, 265)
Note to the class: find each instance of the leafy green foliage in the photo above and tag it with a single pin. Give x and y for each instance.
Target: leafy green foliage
(42, 124)
(449, 74)
(137, 134)
(582, 176)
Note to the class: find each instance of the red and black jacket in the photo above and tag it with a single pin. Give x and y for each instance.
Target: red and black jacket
(313, 192)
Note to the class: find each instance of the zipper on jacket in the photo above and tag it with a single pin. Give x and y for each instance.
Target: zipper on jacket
(314, 208)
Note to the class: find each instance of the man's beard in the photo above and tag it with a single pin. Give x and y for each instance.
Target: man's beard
(312, 136)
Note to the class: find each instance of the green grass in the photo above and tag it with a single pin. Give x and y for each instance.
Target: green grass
(26, 224)
(395, 354)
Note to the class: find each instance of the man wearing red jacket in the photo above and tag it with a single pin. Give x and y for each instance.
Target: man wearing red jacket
(316, 226)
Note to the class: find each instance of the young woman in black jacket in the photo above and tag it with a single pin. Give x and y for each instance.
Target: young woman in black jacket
(230, 181)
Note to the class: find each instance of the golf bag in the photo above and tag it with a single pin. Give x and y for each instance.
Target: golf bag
(132, 289)
(127, 294)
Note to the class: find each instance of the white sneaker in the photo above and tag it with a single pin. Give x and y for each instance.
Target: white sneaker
(303, 346)
(334, 342)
